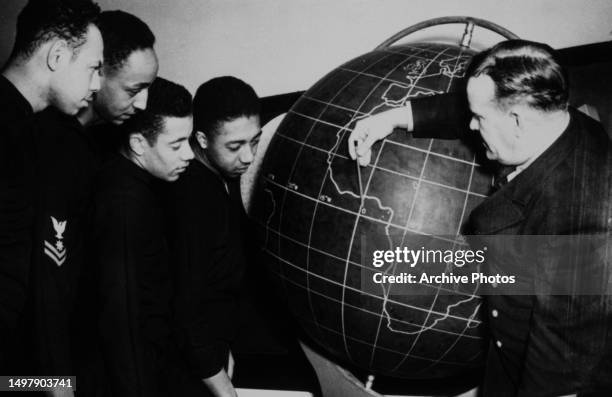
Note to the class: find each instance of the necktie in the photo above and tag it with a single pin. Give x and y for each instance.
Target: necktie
(501, 178)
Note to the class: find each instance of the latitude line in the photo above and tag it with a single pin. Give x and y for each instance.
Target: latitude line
(462, 364)
(395, 302)
(387, 140)
(356, 264)
(354, 213)
(475, 337)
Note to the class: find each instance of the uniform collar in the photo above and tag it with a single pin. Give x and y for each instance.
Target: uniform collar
(203, 160)
(137, 172)
(15, 96)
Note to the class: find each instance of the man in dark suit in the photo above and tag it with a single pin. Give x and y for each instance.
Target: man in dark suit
(548, 225)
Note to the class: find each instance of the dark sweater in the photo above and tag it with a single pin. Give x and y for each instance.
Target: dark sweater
(15, 215)
(63, 170)
(205, 230)
(133, 285)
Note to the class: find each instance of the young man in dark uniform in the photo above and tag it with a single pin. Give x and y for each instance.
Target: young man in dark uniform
(551, 337)
(129, 248)
(55, 61)
(205, 228)
(68, 156)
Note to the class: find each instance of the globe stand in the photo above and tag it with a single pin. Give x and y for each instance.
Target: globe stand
(336, 381)
(466, 40)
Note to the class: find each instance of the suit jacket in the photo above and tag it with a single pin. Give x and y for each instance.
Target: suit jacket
(556, 340)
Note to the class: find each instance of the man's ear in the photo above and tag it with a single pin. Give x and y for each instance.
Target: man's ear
(202, 139)
(137, 144)
(58, 54)
(518, 118)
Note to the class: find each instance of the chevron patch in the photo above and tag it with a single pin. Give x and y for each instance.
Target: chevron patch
(56, 253)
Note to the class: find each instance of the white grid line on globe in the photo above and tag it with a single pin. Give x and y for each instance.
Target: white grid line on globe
(389, 50)
(411, 86)
(403, 46)
(352, 242)
(462, 364)
(432, 153)
(387, 169)
(392, 301)
(363, 114)
(443, 331)
(384, 312)
(467, 197)
(472, 168)
(435, 298)
(293, 167)
(322, 185)
(332, 105)
(458, 232)
(387, 140)
(459, 337)
(269, 229)
(355, 213)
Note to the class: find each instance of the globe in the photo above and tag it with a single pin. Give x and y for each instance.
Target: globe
(322, 217)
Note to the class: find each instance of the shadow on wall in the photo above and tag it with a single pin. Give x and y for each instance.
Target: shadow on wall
(592, 85)
(590, 74)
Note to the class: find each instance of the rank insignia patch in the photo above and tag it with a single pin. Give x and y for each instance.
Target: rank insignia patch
(57, 252)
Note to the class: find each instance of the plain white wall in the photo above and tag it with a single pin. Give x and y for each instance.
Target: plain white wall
(281, 46)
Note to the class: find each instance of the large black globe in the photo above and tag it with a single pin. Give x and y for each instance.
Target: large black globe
(319, 223)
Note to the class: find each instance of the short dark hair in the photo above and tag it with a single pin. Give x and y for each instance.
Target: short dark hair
(123, 33)
(44, 20)
(166, 99)
(524, 71)
(223, 99)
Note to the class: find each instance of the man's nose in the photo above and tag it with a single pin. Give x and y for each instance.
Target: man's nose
(188, 153)
(247, 155)
(94, 85)
(140, 101)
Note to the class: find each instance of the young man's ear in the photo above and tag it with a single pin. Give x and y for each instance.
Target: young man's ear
(202, 139)
(137, 144)
(58, 54)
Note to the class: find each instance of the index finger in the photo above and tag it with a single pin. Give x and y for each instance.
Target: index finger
(358, 134)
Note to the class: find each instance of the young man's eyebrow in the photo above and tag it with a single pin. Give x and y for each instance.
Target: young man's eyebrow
(178, 140)
(241, 141)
